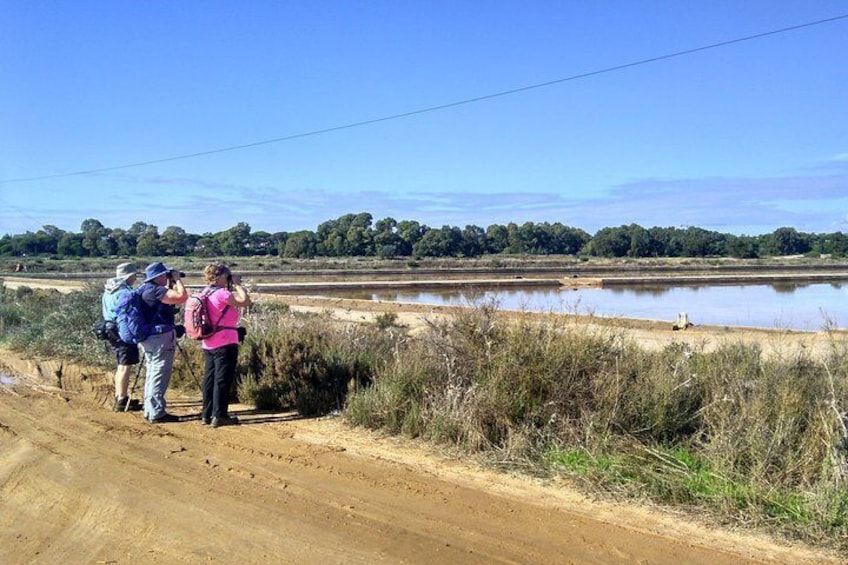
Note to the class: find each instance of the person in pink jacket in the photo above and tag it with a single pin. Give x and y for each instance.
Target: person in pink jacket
(220, 350)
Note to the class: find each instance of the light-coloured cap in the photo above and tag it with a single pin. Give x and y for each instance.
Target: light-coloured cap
(126, 270)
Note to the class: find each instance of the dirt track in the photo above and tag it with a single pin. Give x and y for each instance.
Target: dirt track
(81, 484)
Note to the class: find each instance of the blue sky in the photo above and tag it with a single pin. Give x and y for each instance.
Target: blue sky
(741, 139)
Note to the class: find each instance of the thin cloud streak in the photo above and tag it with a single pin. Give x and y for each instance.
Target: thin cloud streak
(754, 206)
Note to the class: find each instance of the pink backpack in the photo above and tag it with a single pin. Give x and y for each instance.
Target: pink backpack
(197, 322)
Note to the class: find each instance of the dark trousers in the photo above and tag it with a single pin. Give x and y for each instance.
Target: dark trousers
(218, 376)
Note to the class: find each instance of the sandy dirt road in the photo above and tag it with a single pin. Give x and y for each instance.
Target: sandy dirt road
(81, 484)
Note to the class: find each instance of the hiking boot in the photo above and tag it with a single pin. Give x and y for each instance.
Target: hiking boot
(121, 404)
(205, 421)
(224, 421)
(164, 419)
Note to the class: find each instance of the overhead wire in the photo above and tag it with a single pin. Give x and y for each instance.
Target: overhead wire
(436, 108)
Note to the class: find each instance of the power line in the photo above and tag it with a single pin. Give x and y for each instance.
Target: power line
(20, 211)
(440, 106)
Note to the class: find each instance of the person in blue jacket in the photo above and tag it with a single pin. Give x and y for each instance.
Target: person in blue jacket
(126, 354)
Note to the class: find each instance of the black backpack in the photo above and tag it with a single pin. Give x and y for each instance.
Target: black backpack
(106, 330)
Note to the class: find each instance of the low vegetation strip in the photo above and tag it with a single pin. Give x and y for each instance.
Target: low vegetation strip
(752, 438)
(404, 284)
(748, 278)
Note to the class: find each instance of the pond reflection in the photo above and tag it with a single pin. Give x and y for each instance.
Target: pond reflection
(785, 305)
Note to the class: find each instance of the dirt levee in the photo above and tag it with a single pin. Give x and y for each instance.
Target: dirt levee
(81, 484)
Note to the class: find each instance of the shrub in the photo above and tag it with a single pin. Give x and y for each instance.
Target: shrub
(308, 363)
(49, 323)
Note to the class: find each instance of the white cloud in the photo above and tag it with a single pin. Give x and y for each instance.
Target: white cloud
(813, 203)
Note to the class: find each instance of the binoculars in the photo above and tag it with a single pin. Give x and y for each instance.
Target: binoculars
(176, 274)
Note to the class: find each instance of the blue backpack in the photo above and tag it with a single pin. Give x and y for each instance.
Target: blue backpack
(133, 326)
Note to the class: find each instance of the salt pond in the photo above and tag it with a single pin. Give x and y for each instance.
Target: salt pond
(784, 306)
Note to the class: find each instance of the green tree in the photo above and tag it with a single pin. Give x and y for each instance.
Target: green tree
(566, 240)
(92, 231)
(175, 241)
(513, 239)
(835, 244)
(332, 236)
(531, 238)
(610, 242)
(236, 240)
(741, 247)
(473, 242)
(785, 241)
(386, 240)
(126, 242)
(107, 245)
(302, 244)
(359, 241)
(410, 232)
(148, 242)
(444, 242)
(640, 241)
(698, 242)
(497, 238)
(7, 246)
(263, 243)
(48, 239)
(137, 229)
(207, 246)
(24, 244)
(70, 245)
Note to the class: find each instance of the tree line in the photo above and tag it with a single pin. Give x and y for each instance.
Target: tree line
(357, 235)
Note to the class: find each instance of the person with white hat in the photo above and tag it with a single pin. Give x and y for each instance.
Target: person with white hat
(126, 354)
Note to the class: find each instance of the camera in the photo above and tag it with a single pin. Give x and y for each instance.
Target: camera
(176, 274)
(233, 280)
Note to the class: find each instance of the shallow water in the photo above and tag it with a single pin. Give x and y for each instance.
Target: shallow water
(6, 380)
(784, 306)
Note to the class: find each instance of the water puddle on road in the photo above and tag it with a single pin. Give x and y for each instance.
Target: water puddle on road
(7, 380)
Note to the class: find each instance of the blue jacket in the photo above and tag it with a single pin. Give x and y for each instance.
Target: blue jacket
(112, 291)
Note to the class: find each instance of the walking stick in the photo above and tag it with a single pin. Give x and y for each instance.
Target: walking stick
(135, 383)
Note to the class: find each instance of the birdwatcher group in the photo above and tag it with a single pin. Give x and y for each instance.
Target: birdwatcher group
(140, 325)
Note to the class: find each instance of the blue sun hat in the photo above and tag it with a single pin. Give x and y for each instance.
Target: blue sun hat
(154, 270)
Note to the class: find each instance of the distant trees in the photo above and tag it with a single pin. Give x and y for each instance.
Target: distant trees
(833, 244)
(359, 235)
(302, 244)
(636, 241)
(785, 241)
(175, 241)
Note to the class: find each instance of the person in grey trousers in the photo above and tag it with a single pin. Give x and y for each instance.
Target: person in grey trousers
(163, 290)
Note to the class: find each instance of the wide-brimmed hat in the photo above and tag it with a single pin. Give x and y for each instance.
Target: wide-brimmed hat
(126, 270)
(154, 270)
